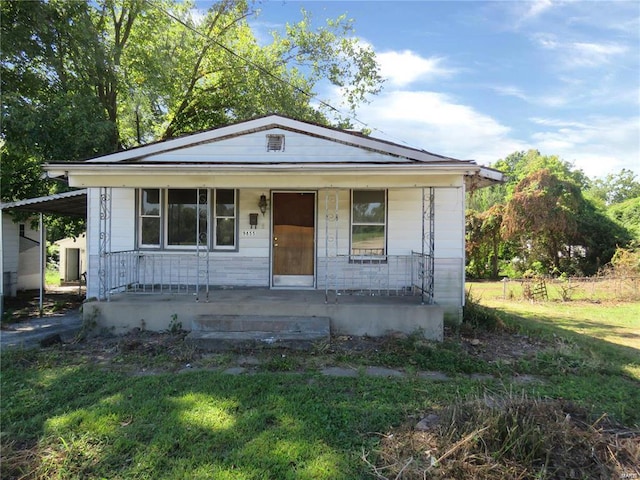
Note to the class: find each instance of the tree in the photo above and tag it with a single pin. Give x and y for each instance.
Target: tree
(540, 216)
(81, 79)
(557, 230)
(627, 214)
(484, 240)
(616, 187)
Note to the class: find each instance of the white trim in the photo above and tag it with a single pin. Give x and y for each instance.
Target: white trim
(214, 221)
(56, 170)
(385, 224)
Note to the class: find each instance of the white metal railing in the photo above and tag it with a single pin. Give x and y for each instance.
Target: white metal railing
(156, 273)
(381, 275)
(148, 272)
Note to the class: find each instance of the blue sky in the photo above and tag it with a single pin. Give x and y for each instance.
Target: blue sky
(480, 80)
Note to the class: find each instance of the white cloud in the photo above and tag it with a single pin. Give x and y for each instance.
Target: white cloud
(510, 91)
(537, 8)
(406, 67)
(581, 54)
(437, 123)
(597, 145)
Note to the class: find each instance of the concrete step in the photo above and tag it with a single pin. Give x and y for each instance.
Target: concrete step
(220, 332)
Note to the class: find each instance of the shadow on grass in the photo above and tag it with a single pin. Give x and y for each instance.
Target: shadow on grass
(81, 422)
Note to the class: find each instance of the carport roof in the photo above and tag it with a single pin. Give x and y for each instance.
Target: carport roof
(72, 204)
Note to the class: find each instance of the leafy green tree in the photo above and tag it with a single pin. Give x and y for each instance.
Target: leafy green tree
(616, 187)
(540, 216)
(484, 241)
(627, 214)
(81, 79)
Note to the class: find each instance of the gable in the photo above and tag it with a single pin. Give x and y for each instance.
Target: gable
(251, 134)
(259, 147)
(270, 145)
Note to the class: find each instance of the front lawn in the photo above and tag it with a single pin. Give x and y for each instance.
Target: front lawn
(148, 406)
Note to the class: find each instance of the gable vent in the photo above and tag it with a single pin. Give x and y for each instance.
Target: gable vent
(275, 143)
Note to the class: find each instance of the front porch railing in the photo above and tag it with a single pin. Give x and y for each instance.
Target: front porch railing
(386, 275)
(147, 272)
(156, 273)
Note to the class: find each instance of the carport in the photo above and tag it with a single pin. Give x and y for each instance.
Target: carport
(70, 204)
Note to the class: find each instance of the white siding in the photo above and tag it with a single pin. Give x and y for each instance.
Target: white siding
(21, 256)
(298, 148)
(79, 243)
(9, 250)
(449, 246)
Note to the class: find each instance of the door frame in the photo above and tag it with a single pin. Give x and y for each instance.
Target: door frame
(272, 284)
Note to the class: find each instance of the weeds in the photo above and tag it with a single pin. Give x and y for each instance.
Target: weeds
(479, 316)
(175, 326)
(510, 436)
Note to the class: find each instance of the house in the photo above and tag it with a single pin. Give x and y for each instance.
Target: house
(276, 217)
(20, 250)
(73, 258)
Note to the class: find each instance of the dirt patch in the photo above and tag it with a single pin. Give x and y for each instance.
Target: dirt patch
(501, 346)
(26, 304)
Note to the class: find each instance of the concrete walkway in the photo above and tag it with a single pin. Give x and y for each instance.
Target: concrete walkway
(29, 333)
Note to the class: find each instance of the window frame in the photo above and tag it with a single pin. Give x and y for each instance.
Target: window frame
(166, 244)
(211, 230)
(384, 224)
(214, 221)
(140, 216)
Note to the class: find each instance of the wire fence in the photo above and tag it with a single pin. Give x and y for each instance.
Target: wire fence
(605, 288)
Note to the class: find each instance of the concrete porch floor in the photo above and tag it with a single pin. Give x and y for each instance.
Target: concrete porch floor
(351, 315)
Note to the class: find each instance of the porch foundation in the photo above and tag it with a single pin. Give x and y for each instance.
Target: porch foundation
(350, 315)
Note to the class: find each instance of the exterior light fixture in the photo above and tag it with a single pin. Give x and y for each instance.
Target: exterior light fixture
(262, 204)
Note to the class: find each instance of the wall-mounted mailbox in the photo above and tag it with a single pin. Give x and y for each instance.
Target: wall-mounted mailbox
(253, 220)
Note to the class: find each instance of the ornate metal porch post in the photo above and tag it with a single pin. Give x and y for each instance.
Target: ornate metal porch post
(428, 245)
(202, 245)
(330, 242)
(104, 245)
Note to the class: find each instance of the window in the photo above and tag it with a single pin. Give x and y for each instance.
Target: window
(183, 218)
(149, 217)
(368, 223)
(225, 219)
(187, 212)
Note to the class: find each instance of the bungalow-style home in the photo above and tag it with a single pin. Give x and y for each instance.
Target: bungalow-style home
(273, 227)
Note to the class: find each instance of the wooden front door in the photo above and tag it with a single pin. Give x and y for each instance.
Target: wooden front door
(294, 220)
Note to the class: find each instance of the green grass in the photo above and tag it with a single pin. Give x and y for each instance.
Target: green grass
(52, 276)
(609, 321)
(90, 423)
(68, 416)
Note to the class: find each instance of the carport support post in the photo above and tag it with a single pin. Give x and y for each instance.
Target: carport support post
(42, 263)
(1, 268)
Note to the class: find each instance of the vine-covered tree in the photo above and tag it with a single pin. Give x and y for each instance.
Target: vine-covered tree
(540, 216)
(484, 241)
